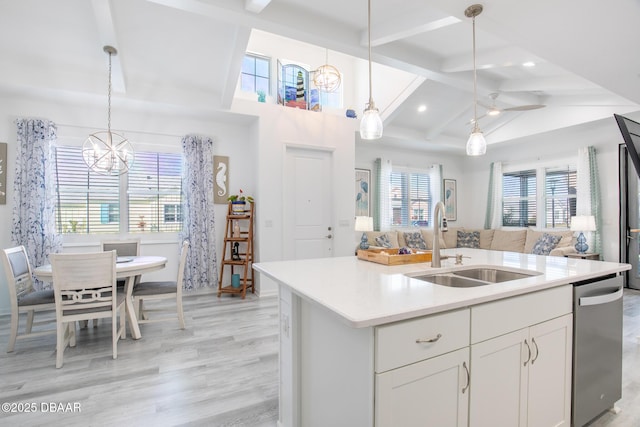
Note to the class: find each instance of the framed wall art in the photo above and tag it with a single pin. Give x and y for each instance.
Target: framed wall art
(450, 196)
(221, 179)
(363, 184)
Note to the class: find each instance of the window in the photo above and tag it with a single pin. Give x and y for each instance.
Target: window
(89, 203)
(410, 199)
(154, 181)
(82, 197)
(254, 75)
(172, 213)
(560, 197)
(109, 212)
(519, 198)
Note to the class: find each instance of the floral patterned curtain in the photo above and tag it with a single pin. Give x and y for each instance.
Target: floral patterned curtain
(34, 192)
(201, 269)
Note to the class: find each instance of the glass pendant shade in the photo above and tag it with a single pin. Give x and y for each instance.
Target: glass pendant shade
(476, 145)
(371, 124)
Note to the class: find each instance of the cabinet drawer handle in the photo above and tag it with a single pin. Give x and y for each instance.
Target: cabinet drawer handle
(423, 340)
(529, 349)
(465, 388)
(533, 340)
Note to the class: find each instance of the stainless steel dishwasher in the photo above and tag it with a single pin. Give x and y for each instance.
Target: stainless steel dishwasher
(597, 347)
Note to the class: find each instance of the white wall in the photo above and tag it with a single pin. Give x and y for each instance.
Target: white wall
(452, 165)
(281, 126)
(472, 173)
(355, 83)
(234, 136)
(548, 149)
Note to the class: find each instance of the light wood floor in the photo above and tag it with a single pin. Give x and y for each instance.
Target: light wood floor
(220, 371)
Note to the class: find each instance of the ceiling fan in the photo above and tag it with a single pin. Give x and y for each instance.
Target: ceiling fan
(493, 110)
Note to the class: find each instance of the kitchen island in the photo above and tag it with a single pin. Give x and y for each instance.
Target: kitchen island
(364, 344)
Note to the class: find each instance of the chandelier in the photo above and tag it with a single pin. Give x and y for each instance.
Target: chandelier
(106, 152)
(327, 77)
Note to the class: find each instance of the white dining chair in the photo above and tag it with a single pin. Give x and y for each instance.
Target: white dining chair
(23, 298)
(85, 288)
(156, 290)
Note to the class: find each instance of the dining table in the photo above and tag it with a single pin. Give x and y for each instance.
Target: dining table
(128, 268)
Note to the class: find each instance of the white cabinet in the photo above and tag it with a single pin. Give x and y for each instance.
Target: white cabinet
(422, 370)
(501, 363)
(523, 378)
(433, 392)
(549, 402)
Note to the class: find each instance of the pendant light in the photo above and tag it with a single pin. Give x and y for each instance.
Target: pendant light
(476, 145)
(106, 152)
(327, 77)
(371, 124)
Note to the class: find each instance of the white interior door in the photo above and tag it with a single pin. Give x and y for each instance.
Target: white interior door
(308, 230)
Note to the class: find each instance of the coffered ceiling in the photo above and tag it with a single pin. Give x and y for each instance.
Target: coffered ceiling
(186, 55)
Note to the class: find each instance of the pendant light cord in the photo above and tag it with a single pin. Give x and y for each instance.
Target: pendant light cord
(475, 83)
(369, 40)
(109, 97)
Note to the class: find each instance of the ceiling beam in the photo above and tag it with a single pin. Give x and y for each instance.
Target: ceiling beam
(107, 34)
(234, 65)
(411, 24)
(256, 6)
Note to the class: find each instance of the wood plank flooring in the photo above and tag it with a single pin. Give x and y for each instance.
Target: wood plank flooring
(220, 371)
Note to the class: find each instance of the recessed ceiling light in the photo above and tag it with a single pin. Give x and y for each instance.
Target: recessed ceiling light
(422, 108)
(529, 64)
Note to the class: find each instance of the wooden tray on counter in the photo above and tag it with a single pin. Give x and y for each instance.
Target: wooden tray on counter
(391, 257)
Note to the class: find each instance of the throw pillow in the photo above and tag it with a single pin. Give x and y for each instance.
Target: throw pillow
(469, 239)
(383, 240)
(415, 241)
(545, 244)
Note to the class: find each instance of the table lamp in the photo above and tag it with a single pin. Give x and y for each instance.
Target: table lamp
(582, 223)
(364, 224)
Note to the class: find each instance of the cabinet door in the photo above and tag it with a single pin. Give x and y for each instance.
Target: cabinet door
(499, 381)
(550, 373)
(433, 392)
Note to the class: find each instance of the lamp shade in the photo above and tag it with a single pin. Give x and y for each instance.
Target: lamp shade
(364, 223)
(583, 223)
(476, 145)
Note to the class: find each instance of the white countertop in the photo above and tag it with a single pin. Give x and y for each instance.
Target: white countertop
(364, 293)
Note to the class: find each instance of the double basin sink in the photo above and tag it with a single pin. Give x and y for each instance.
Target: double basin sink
(474, 276)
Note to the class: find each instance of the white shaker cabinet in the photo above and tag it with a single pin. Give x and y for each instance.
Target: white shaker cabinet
(432, 392)
(505, 362)
(523, 378)
(422, 371)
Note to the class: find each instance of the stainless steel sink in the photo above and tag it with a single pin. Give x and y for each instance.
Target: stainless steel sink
(494, 275)
(451, 280)
(472, 277)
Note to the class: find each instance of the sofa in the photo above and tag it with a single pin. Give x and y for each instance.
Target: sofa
(529, 240)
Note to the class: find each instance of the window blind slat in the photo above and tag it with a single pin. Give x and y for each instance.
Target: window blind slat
(88, 202)
(410, 199)
(519, 199)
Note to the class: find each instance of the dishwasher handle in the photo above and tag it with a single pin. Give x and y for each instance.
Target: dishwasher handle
(601, 299)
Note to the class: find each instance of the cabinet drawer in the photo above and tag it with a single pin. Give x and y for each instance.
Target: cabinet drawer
(500, 317)
(396, 343)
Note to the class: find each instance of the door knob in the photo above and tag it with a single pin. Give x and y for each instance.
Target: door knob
(328, 236)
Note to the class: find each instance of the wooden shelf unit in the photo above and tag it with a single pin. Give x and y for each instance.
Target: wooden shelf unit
(245, 252)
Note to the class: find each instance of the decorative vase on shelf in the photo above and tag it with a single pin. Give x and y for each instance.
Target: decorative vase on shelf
(236, 229)
(237, 206)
